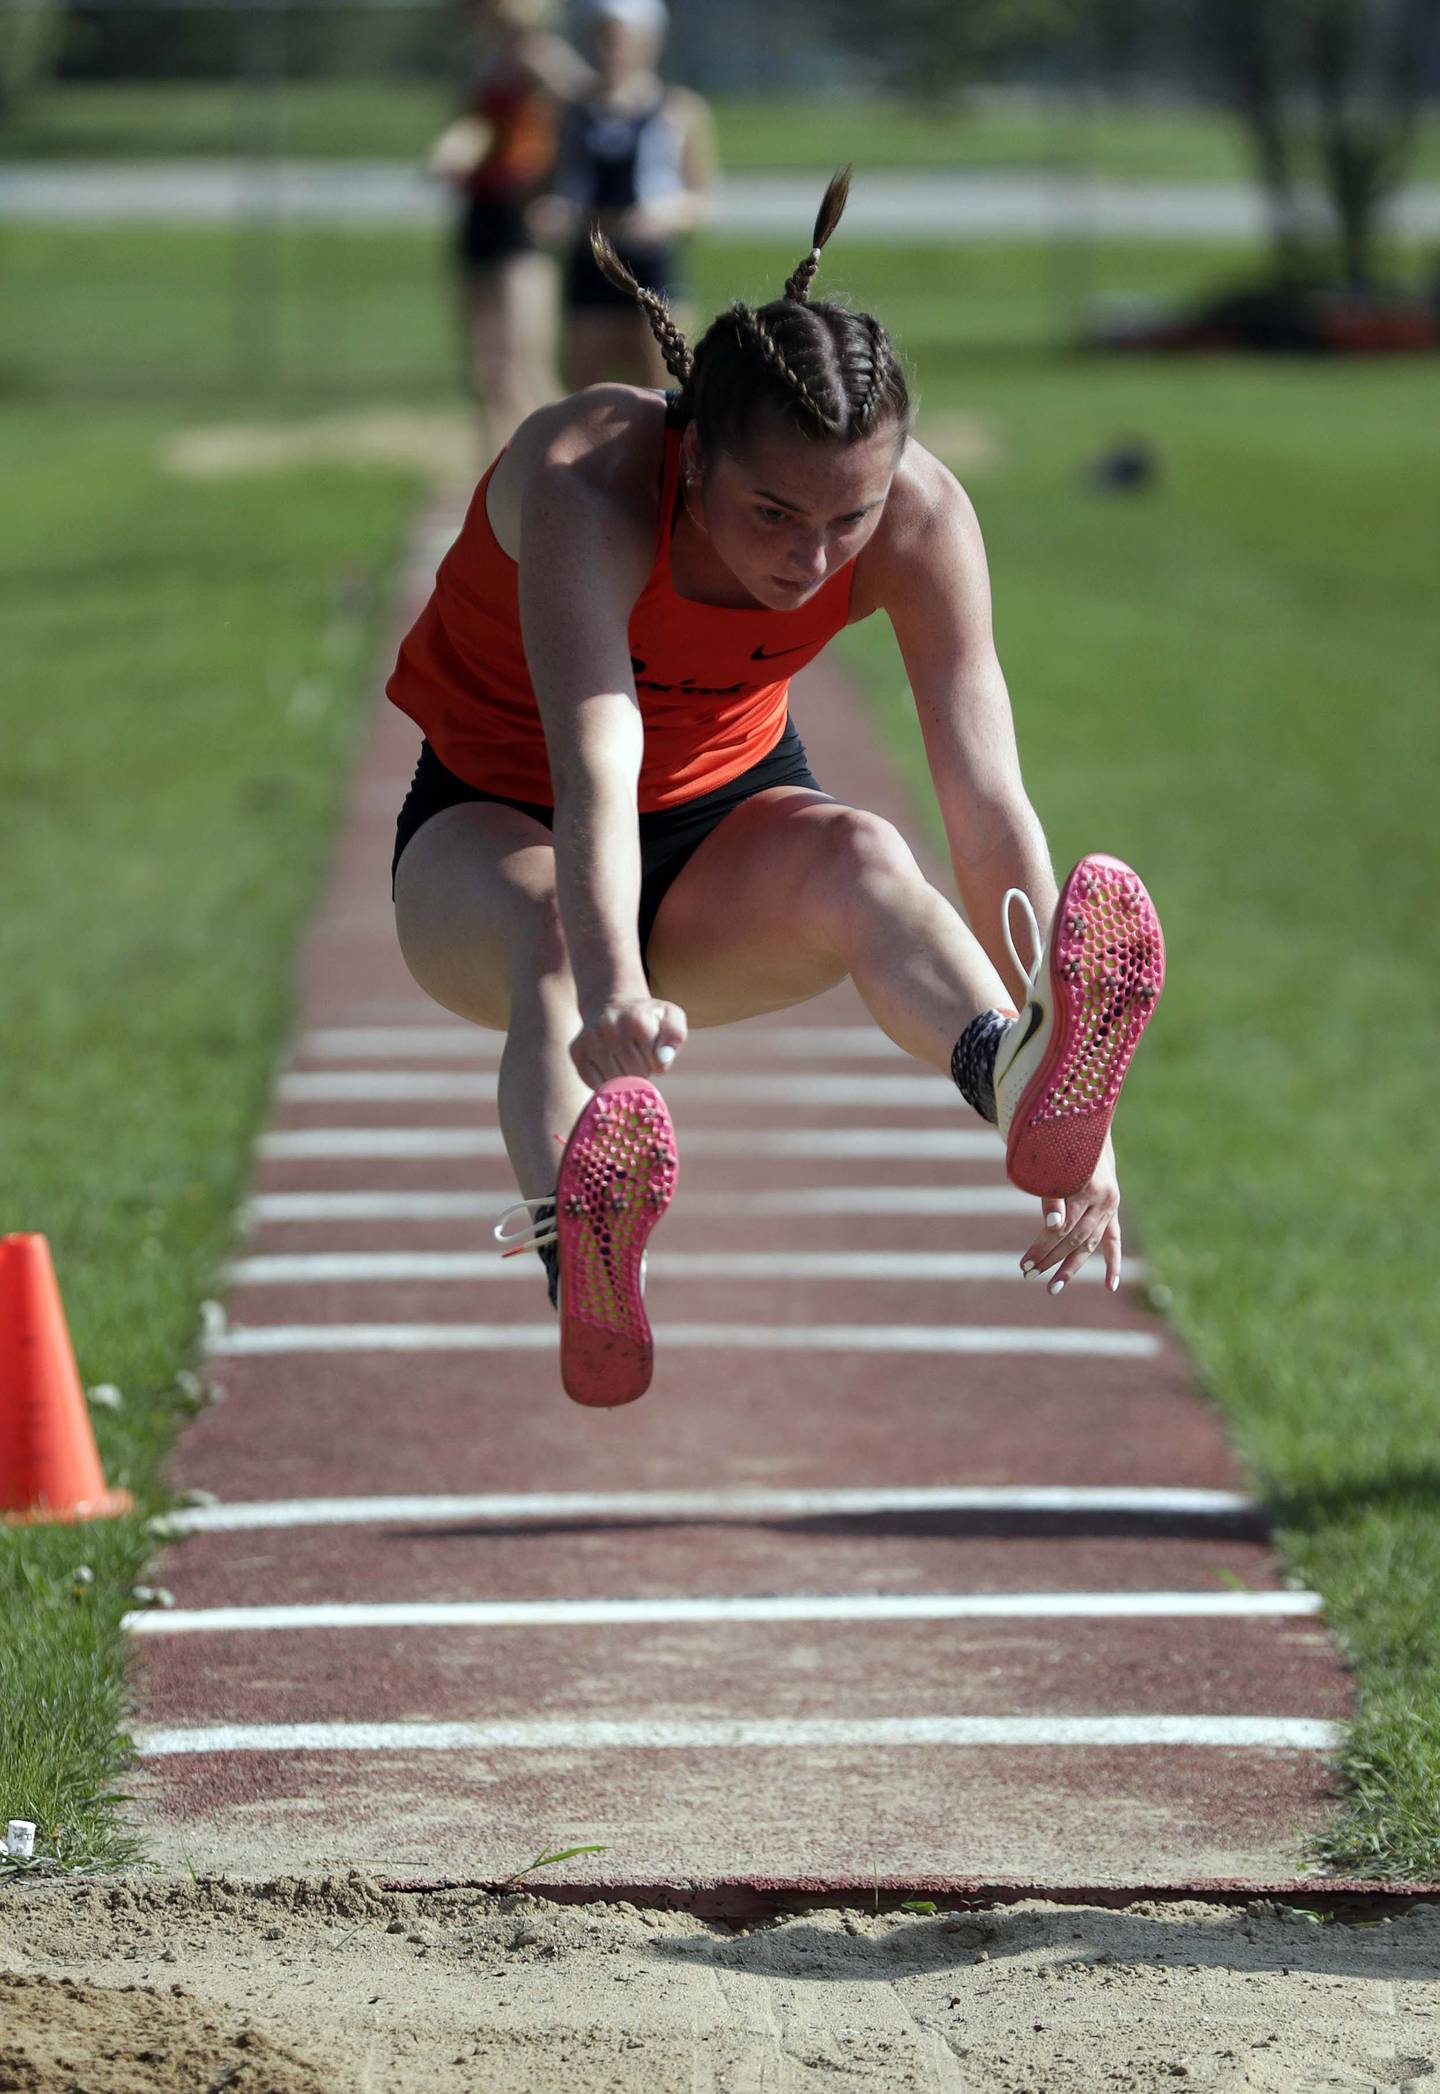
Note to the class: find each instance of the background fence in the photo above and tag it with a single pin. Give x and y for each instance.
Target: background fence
(243, 178)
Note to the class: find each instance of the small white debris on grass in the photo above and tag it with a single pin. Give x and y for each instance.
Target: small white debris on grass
(106, 1395)
(20, 1839)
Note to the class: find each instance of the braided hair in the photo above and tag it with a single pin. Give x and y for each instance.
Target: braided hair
(829, 372)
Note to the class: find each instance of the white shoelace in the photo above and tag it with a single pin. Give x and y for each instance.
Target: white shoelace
(531, 1233)
(1018, 894)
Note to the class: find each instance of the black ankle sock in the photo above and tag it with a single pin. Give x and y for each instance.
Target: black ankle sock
(973, 1062)
(549, 1253)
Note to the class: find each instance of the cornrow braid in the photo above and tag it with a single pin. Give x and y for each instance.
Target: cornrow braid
(750, 323)
(673, 346)
(876, 387)
(820, 368)
(797, 284)
(832, 204)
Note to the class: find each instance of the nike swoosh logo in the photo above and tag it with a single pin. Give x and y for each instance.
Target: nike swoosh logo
(773, 655)
(1037, 1019)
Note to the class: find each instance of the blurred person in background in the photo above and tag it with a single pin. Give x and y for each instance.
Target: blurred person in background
(636, 157)
(499, 157)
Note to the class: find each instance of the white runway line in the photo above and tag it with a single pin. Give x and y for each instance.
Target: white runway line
(1250, 1733)
(375, 1267)
(805, 1199)
(833, 1607)
(392, 1086)
(1082, 1500)
(938, 1143)
(373, 1206)
(253, 1340)
(470, 1043)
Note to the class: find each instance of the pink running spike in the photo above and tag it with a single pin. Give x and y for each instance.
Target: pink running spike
(609, 1197)
(1106, 968)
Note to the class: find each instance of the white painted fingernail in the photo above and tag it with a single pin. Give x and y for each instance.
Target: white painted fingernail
(1057, 1286)
(664, 1055)
(1054, 1219)
(1027, 1266)
(1114, 1283)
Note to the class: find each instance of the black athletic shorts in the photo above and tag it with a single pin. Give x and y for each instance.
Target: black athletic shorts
(491, 229)
(588, 289)
(667, 838)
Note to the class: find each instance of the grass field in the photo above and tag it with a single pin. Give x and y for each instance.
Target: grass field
(184, 667)
(1229, 679)
(315, 315)
(359, 119)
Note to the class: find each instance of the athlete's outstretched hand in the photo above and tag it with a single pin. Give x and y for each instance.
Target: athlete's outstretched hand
(1088, 1221)
(635, 1036)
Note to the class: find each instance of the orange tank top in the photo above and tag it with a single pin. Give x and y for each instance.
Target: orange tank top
(521, 152)
(712, 683)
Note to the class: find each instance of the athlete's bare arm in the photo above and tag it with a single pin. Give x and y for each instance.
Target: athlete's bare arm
(926, 568)
(574, 501)
(929, 572)
(556, 66)
(692, 205)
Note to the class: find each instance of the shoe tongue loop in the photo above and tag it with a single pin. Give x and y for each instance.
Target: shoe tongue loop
(527, 1226)
(1018, 894)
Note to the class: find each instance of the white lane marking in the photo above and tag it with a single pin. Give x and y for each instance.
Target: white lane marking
(1256, 1733)
(935, 1143)
(391, 1086)
(869, 1199)
(818, 1199)
(797, 1337)
(370, 1267)
(469, 1042)
(1054, 1499)
(857, 1606)
(386, 1083)
(371, 1206)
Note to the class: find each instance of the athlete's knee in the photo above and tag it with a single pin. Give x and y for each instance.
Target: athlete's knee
(865, 862)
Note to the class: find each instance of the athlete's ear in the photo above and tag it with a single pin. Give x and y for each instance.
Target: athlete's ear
(692, 459)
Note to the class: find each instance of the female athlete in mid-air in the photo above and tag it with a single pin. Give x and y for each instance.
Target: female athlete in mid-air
(613, 832)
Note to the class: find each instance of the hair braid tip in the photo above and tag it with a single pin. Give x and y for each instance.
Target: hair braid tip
(673, 346)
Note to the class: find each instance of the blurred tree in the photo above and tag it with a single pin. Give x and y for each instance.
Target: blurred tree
(929, 49)
(1335, 84)
(1118, 32)
(29, 44)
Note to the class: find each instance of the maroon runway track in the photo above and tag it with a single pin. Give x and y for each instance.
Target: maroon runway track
(901, 1569)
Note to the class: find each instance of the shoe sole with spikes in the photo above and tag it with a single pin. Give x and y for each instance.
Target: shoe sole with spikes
(1096, 987)
(616, 1179)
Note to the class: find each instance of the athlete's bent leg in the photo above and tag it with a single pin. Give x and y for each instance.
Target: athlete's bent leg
(793, 891)
(479, 929)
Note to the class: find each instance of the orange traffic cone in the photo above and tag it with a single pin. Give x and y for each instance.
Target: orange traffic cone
(49, 1465)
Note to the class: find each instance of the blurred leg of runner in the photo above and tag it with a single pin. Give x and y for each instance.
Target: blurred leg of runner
(512, 323)
(604, 346)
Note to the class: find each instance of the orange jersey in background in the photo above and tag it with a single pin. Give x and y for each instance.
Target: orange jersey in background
(521, 152)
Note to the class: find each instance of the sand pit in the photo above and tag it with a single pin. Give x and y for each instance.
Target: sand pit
(967, 443)
(442, 444)
(142, 1987)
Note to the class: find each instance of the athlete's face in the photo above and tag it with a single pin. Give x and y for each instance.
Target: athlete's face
(786, 511)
